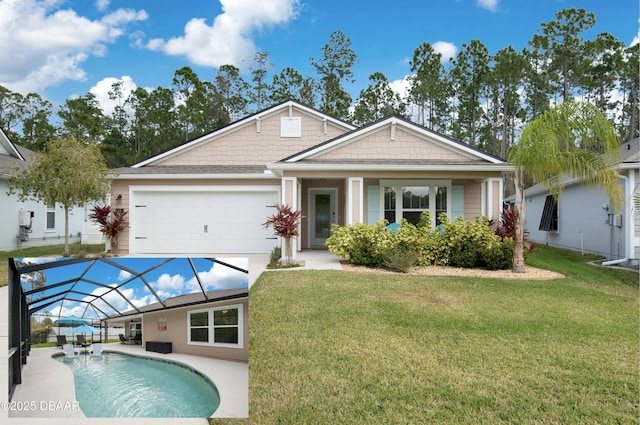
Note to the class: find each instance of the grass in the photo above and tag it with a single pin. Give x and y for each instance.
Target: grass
(341, 347)
(75, 250)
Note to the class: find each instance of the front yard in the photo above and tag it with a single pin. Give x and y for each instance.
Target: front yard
(344, 347)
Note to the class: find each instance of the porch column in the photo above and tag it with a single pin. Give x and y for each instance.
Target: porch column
(493, 198)
(291, 197)
(355, 200)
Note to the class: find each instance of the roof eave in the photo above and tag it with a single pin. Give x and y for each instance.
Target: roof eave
(278, 167)
(191, 176)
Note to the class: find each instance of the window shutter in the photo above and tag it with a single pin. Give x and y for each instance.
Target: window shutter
(457, 201)
(549, 220)
(373, 204)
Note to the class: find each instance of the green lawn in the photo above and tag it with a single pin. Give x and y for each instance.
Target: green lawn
(329, 347)
(75, 250)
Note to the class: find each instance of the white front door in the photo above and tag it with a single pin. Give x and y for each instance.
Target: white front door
(322, 214)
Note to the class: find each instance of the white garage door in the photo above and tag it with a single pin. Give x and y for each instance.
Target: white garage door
(202, 221)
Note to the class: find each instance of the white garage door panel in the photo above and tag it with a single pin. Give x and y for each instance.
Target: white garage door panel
(202, 222)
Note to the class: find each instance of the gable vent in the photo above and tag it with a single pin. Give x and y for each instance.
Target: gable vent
(291, 127)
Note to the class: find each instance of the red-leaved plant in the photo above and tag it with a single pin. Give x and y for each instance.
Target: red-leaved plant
(111, 222)
(506, 228)
(285, 224)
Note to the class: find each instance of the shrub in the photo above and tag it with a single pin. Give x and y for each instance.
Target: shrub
(274, 258)
(459, 243)
(401, 260)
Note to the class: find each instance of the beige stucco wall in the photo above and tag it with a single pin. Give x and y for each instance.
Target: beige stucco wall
(246, 146)
(176, 332)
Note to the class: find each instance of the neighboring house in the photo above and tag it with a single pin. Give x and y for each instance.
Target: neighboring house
(30, 223)
(213, 194)
(581, 218)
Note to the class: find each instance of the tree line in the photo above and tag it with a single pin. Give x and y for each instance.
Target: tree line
(481, 99)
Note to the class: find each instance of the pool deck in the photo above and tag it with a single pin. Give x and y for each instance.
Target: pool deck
(48, 386)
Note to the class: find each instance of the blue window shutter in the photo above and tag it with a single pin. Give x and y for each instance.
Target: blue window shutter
(373, 203)
(457, 201)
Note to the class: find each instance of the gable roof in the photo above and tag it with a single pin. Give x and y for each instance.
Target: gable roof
(12, 157)
(241, 123)
(456, 154)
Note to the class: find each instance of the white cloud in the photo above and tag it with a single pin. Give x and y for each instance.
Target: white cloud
(61, 311)
(491, 5)
(123, 275)
(229, 40)
(48, 45)
(102, 4)
(221, 276)
(103, 87)
(446, 49)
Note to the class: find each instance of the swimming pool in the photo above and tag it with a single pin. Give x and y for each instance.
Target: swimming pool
(124, 386)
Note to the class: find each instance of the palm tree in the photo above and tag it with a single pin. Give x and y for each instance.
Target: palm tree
(572, 140)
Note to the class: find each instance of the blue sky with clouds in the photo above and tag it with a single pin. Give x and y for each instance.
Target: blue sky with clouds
(64, 48)
(170, 279)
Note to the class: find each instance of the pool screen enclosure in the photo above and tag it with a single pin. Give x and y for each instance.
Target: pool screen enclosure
(104, 288)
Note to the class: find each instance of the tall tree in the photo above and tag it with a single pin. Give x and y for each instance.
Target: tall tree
(630, 86)
(36, 126)
(192, 99)
(505, 80)
(562, 39)
(555, 146)
(82, 118)
(11, 111)
(232, 91)
(377, 101)
(290, 84)
(155, 126)
(469, 74)
(68, 172)
(334, 69)
(430, 89)
(260, 89)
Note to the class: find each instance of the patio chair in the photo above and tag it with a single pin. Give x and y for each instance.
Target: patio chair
(123, 340)
(137, 339)
(69, 352)
(96, 350)
(81, 341)
(62, 340)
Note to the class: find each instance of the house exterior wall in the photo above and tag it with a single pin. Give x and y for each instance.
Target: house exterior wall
(40, 235)
(582, 223)
(248, 146)
(404, 146)
(177, 332)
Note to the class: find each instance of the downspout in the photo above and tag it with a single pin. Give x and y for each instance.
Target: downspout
(627, 222)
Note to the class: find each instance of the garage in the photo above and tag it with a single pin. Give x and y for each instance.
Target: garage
(202, 220)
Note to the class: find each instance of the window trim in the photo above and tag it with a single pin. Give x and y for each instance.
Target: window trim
(47, 210)
(211, 327)
(398, 184)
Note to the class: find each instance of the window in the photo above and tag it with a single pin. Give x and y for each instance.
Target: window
(549, 220)
(219, 326)
(51, 217)
(409, 198)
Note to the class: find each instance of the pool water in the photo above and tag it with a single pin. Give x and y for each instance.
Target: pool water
(123, 386)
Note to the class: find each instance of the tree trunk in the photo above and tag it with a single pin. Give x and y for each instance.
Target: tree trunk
(66, 230)
(287, 251)
(518, 251)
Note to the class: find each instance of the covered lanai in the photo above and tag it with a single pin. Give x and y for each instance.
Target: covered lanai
(112, 289)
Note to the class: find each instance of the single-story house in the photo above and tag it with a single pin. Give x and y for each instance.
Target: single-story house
(580, 217)
(217, 326)
(32, 223)
(212, 194)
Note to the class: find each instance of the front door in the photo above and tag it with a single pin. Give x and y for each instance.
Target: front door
(322, 214)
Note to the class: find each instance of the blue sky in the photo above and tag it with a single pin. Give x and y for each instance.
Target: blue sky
(61, 49)
(171, 279)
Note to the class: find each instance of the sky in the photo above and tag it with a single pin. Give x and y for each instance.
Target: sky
(170, 279)
(62, 49)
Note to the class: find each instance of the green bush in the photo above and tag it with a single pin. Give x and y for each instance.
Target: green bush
(38, 336)
(460, 243)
